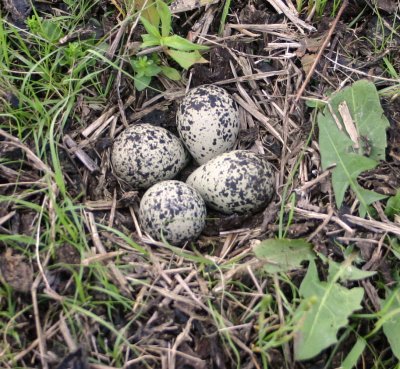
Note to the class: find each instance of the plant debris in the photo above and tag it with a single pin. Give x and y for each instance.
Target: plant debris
(310, 281)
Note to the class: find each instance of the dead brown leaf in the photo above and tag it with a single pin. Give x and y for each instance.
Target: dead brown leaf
(348, 122)
(307, 61)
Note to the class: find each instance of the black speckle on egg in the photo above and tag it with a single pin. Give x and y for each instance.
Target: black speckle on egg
(172, 209)
(208, 122)
(144, 154)
(235, 182)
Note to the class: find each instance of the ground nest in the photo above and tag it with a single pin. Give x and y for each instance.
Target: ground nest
(81, 286)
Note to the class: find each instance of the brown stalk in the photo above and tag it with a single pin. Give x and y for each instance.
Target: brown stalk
(318, 57)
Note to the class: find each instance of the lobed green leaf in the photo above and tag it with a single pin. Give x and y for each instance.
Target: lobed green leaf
(142, 82)
(149, 41)
(186, 59)
(330, 306)
(171, 73)
(282, 255)
(165, 16)
(182, 44)
(349, 157)
(150, 29)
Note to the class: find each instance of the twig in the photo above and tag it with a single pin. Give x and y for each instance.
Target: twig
(260, 27)
(67, 334)
(135, 222)
(19, 177)
(177, 289)
(252, 77)
(357, 71)
(199, 363)
(281, 7)
(48, 334)
(101, 250)
(105, 117)
(180, 280)
(38, 324)
(321, 50)
(113, 209)
(6, 217)
(181, 338)
(37, 163)
(321, 226)
(373, 224)
(179, 6)
(87, 161)
(315, 215)
(259, 116)
(101, 257)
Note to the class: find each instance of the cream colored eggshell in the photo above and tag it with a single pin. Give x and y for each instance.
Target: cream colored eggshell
(235, 182)
(174, 209)
(208, 122)
(143, 155)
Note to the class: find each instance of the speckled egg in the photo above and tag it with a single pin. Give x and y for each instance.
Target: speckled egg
(235, 182)
(173, 208)
(144, 154)
(208, 122)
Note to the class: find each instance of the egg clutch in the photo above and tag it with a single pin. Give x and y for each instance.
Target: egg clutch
(149, 157)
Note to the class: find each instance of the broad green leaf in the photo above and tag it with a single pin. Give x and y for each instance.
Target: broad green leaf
(149, 41)
(330, 307)
(369, 196)
(152, 70)
(165, 16)
(171, 73)
(150, 29)
(182, 44)
(282, 255)
(348, 168)
(186, 59)
(139, 74)
(142, 82)
(148, 10)
(333, 143)
(350, 272)
(393, 205)
(335, 148)
(391, 326)
(365, 108)
(338, 150)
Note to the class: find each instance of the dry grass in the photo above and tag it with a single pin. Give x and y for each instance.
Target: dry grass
(103, 290)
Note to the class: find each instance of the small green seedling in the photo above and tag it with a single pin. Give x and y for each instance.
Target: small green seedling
(47, 29)
(181, 50)
(148, 67)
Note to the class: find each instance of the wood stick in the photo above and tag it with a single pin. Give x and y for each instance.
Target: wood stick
(86, 160)
(318, 57)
